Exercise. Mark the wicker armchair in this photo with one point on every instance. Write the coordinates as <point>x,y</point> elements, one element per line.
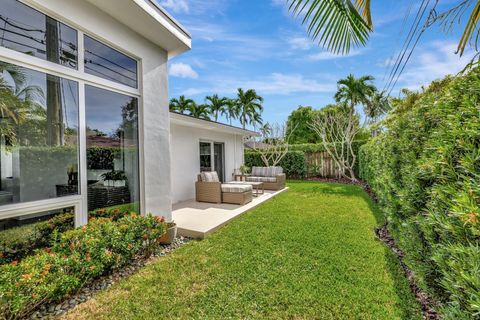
<point>215,192</point>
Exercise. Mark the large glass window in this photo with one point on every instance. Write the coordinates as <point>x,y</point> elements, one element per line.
<point>38,135</point>
<point>112,149</point>
<point>108,63</point>
<point>26,30</point>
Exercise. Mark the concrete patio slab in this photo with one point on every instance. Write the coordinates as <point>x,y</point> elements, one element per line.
<point>199,219</point>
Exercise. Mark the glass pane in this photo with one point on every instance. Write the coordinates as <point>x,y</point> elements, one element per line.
<point>112,149</point>
<point>20,236</point>
<point>26,30</point>
<point>205,156</point>
<point>219,167</point>
<point>38,135</point>
<point>108,63</point>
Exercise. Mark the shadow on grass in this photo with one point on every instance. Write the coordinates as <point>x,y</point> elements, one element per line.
<point>406,302</point>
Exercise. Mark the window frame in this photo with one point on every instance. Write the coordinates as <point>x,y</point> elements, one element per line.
<point>79,202</point>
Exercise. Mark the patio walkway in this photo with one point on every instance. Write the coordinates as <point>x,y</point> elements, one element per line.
<point>198,219</point>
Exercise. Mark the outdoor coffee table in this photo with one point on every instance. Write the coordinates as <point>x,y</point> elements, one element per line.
<point>256,186</point>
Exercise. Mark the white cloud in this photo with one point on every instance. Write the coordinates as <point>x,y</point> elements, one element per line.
<point>176,6</point>
<point>300,43</point>
<point>276,83</point>
<point>182,70</point>
<point>433,61</point>
<point>325,55</point>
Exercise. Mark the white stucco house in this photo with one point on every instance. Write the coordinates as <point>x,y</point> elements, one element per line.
<point>86,123</point>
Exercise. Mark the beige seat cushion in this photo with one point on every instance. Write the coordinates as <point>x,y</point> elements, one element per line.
<point>236,188</point>
<point>261,179</point>
<point>209,176</point>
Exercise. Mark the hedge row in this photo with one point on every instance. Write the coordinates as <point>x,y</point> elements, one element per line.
<point>16,243</point>
<point>293,163</point>
<point>75,257</point>
<point>425,171</point>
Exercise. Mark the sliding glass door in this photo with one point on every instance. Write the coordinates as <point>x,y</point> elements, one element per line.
<point>212,158</point>
<point>218,160</point>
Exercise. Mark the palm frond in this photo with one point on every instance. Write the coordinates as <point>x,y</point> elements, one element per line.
<point>363,7</point>
<point>470,29</point>
<point>335,24</point>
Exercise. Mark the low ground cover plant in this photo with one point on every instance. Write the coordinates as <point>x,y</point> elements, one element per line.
<point>76,257</point>
<point>16,243</point>
<point>425,171</point>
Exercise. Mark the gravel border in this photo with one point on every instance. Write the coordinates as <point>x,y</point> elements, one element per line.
<point>53,310</point>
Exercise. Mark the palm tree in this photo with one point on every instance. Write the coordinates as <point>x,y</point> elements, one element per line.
<point>201,111</point>
<point>266,129</point>
<point>231,111</point>
<point>216,105</point>
<point>250,107</point>
<point>339,25</point>
<point>181,105</point>
<point>354,91</point>
<point>378,105</point>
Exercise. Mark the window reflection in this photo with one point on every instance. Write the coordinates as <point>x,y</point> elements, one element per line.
<point>112,149</point>
<point>28,31</point>
<point>108,63</point>
<point>38,135</point>
<point>205,156</point>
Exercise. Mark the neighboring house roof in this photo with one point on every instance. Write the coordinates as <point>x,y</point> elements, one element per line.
<point>189,121</point>
<point>151,21</point>
<point>255,145</point>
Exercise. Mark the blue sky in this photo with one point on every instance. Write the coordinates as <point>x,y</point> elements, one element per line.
<point>258,44</point>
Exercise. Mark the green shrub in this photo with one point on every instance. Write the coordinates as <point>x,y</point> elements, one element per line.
<point>293,163</point>
<point>425,170</point>
<point>76,257</point>
<point>19,242</point>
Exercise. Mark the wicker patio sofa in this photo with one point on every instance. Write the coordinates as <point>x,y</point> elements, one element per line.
<point>209,189</point>
<point>273,178</point>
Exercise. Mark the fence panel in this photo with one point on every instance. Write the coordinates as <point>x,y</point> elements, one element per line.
<point>320,164</point>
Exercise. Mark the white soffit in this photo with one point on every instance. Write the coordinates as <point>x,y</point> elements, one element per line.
<point>151,21</point>
<point>189,121</point>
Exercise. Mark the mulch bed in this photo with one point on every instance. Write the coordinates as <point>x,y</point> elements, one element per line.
<point>383,234</point>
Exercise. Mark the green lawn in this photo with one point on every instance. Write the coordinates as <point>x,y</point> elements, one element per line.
<point>310,253</point>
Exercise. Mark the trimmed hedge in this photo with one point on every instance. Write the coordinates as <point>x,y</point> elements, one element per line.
<point>293,163</point>
<point>425,170</point>
<point>76,257</point>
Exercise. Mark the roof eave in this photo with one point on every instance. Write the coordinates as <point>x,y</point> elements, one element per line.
<point>189,121</point>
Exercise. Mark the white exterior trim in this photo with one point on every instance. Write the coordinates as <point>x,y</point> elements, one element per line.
<point>160,38</point>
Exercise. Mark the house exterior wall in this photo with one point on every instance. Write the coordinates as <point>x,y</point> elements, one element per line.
<point>154,126</point>
<point>185,151</point>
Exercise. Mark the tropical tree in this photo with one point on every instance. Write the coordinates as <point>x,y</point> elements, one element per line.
<point>231,110</point>
<point>250,107</point>
<point>216,105</point>
<point>338,127</point>
<point>201,111</point>
<point>377,106</point>
<point>266,129</point>
<point>354,91</point>
<point>18,101</point>
<point>300,119</point>
<point>339,25</point>
<point>181,105</point>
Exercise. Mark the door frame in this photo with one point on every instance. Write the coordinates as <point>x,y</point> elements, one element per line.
<point>212,154</point>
